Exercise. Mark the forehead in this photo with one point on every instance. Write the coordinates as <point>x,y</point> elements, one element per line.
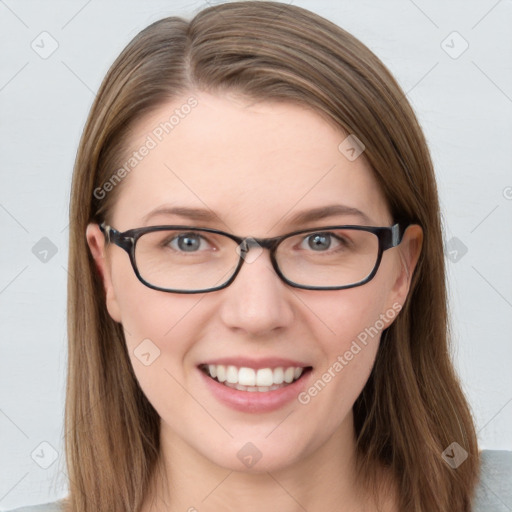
<point>252,164</point>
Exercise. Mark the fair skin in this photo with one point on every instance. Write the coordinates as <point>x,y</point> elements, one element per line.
<point>255,165</point>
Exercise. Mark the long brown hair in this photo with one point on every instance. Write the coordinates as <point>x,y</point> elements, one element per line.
<point>412,407</point>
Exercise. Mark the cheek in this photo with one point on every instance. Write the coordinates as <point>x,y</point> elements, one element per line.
<point>349,315</point>
<point>158,326</point>
<point>349,331</point>
<point>159,330</point>
<point>146,313</point>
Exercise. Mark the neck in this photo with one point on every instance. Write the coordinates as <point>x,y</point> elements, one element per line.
<point>185,480</point>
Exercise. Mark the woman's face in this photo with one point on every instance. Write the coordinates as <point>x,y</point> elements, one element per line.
<point>252,168</point>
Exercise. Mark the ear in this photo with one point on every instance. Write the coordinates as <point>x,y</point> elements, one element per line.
<point>409,252</point>
<point>96,242</point>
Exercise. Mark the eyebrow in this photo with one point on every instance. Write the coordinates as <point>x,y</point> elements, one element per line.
<point>323,212</point>
<point>303,217</point>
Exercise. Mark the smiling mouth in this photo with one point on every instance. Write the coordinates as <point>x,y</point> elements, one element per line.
<point>254,380</point>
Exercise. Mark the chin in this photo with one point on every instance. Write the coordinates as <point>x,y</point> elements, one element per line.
<point>257,456</point>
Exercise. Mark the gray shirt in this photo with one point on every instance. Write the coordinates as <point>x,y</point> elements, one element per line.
<point>493,494</point>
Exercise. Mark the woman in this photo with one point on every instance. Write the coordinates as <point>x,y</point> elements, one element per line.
<point>257,304</point>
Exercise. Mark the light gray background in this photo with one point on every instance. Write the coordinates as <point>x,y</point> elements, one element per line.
<point>464,103</point>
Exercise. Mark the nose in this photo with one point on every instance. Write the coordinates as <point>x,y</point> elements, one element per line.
<point>257,301</point>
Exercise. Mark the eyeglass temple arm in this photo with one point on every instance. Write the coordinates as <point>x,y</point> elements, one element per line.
<point>397,233</point>
<point>105,229</point>
<point>114,237</point>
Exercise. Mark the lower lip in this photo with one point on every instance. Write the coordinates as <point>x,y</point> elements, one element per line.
<point>256,401</point>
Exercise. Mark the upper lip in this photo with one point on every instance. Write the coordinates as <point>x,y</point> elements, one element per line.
<point>265,362</point>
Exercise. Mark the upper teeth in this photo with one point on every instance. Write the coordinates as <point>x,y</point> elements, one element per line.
<point>250,377</point>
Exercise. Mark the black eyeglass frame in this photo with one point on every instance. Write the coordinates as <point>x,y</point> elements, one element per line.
<point>388,237</point>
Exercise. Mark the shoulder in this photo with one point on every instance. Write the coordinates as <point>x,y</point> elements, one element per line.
<point>494,491</point>
<point>55,506</point>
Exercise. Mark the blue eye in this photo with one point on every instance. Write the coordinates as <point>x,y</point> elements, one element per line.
<point>186,242</point>
<point>321,242</point>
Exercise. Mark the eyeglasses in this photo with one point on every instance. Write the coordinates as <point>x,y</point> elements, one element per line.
<point>181,259</point>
